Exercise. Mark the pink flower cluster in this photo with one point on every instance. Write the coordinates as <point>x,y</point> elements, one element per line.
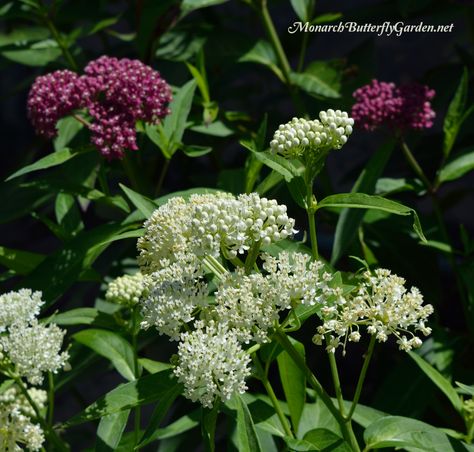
<point>116,93</point>
<point>402,108</point>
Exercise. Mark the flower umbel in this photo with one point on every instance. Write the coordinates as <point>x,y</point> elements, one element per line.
<point>126,290</point>
<point>211,363</point>
<point>384,306</point>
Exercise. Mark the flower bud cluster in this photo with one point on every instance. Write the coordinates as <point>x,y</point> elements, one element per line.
<point>299,136</point>
<point>32,348</point>
<point>126,290</point>
<point>404,107</point>
<point>17,429</point>
<point>382,305</point>
<point>116,93</point>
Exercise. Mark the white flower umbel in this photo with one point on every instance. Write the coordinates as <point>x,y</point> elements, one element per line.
<point>211,364</point>
<point>299,136</point>
<point>181,231</point>
<point>297,279</point>
<point>172,294</point>
<point>17,429</point>
<point>126,290</point>
<point>384,306</point>
<point>34,349</point>
<point>21,306</point>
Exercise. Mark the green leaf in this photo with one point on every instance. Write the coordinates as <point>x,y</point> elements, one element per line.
<point>195,150</point>
<point>153,366</point>
<point>22,36</point>
<point>402,432</point>
<point>246,434</point>
<point>457,167</point>
<point>303,9</point>
<point>319,439</point>
<point>175,123</point>
<point>363,201</point>
<point>68,128</point>
<point>153,431</point>
<point>454,116</point>
<point>110,431</point>
<point>262,53</point>
<point>111,346</point>
<point>293,380</point>
<point>439,380</point>
<point>273,179</point>
<point>54,159</point>
<point>208,426</point>
<point>145,205</point>
<point>148,389</point>
<point>326,18</point>
<point>38,54</point>
<point>21,262</point>
<point>319,79</point>
<point>216,128</point>
<point>349,219</point>
<point>281,165</point>
<point>466,389</point>
<point>83,316</point>
<point>188,6</point>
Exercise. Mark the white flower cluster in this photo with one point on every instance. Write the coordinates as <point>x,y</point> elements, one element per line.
<point>32,348</point>
<point>384,306</point>
<point>21,306</point>
<point>294,138</point>
<point>126,290</point>
<point>17,429</point>
<point>173,294</point>
<point>179,231</point>
<point>211,362</point>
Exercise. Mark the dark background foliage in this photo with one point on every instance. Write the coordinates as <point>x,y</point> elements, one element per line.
<point>245,92</point>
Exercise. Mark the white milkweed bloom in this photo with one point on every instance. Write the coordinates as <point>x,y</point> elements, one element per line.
<point>126,290</point>
<point>384,306</point>
<point>211,363</point>
<point>330,131</point>
<point>34,349</point>
<point>21,306</point>
<point>172,294</point>
<point>17,429</point>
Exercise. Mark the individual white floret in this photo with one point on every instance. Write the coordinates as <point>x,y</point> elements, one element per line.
<point>20,306</point>
<point>126,290</point>
<point>34,349</point>
<point>211,364</point>
<point>172,294</point>
<point>17,429</point>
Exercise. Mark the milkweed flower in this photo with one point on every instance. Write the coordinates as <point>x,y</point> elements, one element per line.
<point>126,290</point>
<point>211,363</point>
<point>116,93</point>
<point>17,428</point>
<point>51,97</point>
<point>383,305</point>
<point>303,138</point>
<point>20,306</point>
<point>405,107</point>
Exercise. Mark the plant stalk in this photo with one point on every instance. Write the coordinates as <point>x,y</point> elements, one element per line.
<point>311,219</point>
<point>360,382</point>
<point>336,382</point>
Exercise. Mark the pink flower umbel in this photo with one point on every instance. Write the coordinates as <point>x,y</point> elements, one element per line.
<point>116,93</point>
<point>402,108</point>
<point>52,97</point>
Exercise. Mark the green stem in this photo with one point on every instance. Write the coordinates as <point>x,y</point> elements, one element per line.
<point>214,266</point>
<point>310,202</point>
<point>50,399</point>
<point>129,168</point>
<point>336,382</point>
<point>415,165</point>
<point>44,425</point>
<point>363,372</point>
<point>136,365</point>
<point>344,424</point>
<point>59,40</point>
<point>271,393</point>
<point>161,179</point>
<point>252,257</point>
<point>470,433</point>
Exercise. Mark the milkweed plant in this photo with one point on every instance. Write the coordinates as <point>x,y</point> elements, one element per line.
<point>258,312</point>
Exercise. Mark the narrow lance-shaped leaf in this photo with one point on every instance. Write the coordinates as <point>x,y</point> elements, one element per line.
<point>246,434</point>
<point>111,346</point>
<point>145,205</point>
<point>439,380</point>
<point>457,167</point>
<point>363,201</point>
<point>110,431</point>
